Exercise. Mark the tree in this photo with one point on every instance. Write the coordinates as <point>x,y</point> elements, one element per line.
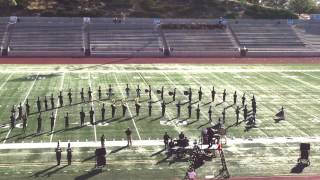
<point>302,6</point>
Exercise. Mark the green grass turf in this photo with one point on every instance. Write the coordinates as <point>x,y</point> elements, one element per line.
<point>296,87</point>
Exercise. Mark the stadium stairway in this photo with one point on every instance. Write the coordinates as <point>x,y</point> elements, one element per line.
<point>46,37</point>
<point>3,29</point>
<point>309,34</point>
<point>269,38</point>
<point>127,39</point>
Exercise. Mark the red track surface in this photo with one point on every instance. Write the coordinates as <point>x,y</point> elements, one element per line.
<point>96,60</point>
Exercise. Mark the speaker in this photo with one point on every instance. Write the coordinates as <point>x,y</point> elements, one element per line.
<point>304,147</point>
<point>100,154</point>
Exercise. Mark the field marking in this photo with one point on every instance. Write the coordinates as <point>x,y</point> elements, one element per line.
<point>153,142</point>
<point>303,82</point>
<point>159,104</point>
<point>4,141</point>
<point>5,82</point>
<point>191,70</point>
<point>123,96</point>
<point>92,105</point>
<point>56,112</point>
<point>289,88</point>
<point>297,107</point>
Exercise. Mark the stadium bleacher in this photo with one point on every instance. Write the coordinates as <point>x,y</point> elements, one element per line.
<point>43,37</point>
<point>141,37</point>
<point>210,42</point>
<point>124,39</point>
<point>268,36</point>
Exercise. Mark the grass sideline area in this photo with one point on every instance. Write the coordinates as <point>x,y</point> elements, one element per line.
<point>296,87</point>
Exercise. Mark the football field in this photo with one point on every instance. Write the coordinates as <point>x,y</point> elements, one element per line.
<point>270,148</point>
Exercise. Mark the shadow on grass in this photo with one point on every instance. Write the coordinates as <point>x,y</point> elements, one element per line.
<point>50,173</point>
<point>88,175</point>
<point>117,150</point>
<point>156,153</point>
<point>38,174</point>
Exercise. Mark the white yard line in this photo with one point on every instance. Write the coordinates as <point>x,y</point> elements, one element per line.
<point>191,70</point>
<point>22,103</point>
<point>92,105</point>
<point>56,112</point>
<point>230,141</point>
<point>123,96</point>
<point>5,82</point>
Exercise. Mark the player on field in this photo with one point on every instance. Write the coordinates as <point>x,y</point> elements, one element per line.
<point>200,94</point>
<point>224,94</point>
<point>198,112</point>
<point>138,90</point>
<point>149,108</point>
<point>90,94</point>
<point>45,103</point>
<point>149,91</point>
<point>60,99</point>
<point>39,124</point>
<point>70,96</point>
<point>166,138</point>
<point>91,114</point>
<point>24,123</point>
<point>174,94</point>
<point>138,105</point>
<point>58,151</point>
<point>124,107</point>
<point>213,94</point>
<point>69,154</point>
<point>82,116</point>
<point>178,105</point>
<point>20,111</point>
<point>66,121</point>
<point>254,105</point>
<point>12,121</point>
<point>39,104</point>
<point>27,107</point>
<point>52,121</point>
<point>102,140</point>
<point>52,101</point>
<point>190,95</point>
<point>162,91</point>
<point>103,112</point>
<point>210,114</point>
<point>113,108</point>
<point>224,115</point>
<point>235,97</point>
<point>163,108</point>
<point>243,99</point>
<point>245,113</point>
<point>129,138</point>
<point>82,95</point>
<point>13,110</point>
<point>109,94</point>
<point>189,109</point>
<point>99,92</point>
<point>127,91</point>
<point>237,114</point>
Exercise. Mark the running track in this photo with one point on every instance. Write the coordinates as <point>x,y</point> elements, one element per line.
<point>187,60</point>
